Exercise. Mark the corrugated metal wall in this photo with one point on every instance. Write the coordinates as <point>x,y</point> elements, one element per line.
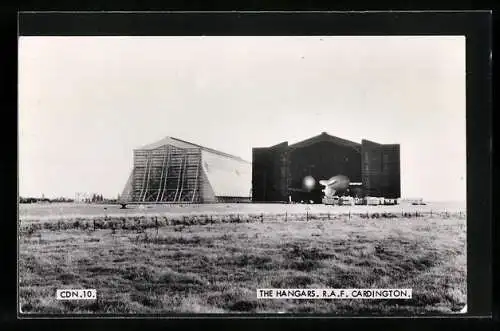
<point>381,169</point>
<point>228,176</point>
<point>270,173</point>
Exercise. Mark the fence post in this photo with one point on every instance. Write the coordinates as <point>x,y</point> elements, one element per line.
<point>349,214</point>
<point>286,216</point>
<point>262,217</point>
<point>328,215</point>
<point>307,215</point>
<point>94,223</point>
<point>156,224</point>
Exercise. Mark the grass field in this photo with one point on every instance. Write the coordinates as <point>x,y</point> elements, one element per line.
<point>212,259</point>
<point>37,212</point>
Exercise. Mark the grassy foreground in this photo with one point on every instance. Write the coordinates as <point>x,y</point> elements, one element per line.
<point>217,267</point>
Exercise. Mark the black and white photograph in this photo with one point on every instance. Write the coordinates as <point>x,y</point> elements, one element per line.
<point>242,174</point>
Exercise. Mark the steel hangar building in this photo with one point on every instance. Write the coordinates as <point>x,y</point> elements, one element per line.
<point>278,171</point>
<point>176,171</point>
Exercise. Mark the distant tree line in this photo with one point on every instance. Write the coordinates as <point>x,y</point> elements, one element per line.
<point>94,198</point>
<point>35,200</point>
<point>97,198</point>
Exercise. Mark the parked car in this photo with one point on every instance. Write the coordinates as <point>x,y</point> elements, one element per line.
<point>372,201</point>
<point>359,201</point>
<point>390,201</point>
<point>347,201</point>
<point>331,201</point>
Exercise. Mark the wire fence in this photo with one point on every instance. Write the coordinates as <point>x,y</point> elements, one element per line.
<point>140,223</point>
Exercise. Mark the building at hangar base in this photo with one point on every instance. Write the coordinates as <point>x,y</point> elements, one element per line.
<point>278,171</point>
<point>176,171</point>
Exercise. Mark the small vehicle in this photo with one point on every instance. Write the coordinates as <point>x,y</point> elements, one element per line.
<point>417,202</point>
<point>372,201</point>
<point>359,201</point>
<point>347,201</point>
<point>331,200</point>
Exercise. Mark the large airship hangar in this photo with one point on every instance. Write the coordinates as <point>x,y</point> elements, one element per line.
<point>278,171</point>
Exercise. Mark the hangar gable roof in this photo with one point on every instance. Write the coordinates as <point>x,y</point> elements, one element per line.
<point>179,143</point>
<point>328,138</point>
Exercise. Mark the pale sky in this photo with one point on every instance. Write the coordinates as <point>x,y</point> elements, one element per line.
<point>86,102</point>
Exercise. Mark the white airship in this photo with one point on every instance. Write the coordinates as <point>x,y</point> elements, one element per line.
<point>334,184</point>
